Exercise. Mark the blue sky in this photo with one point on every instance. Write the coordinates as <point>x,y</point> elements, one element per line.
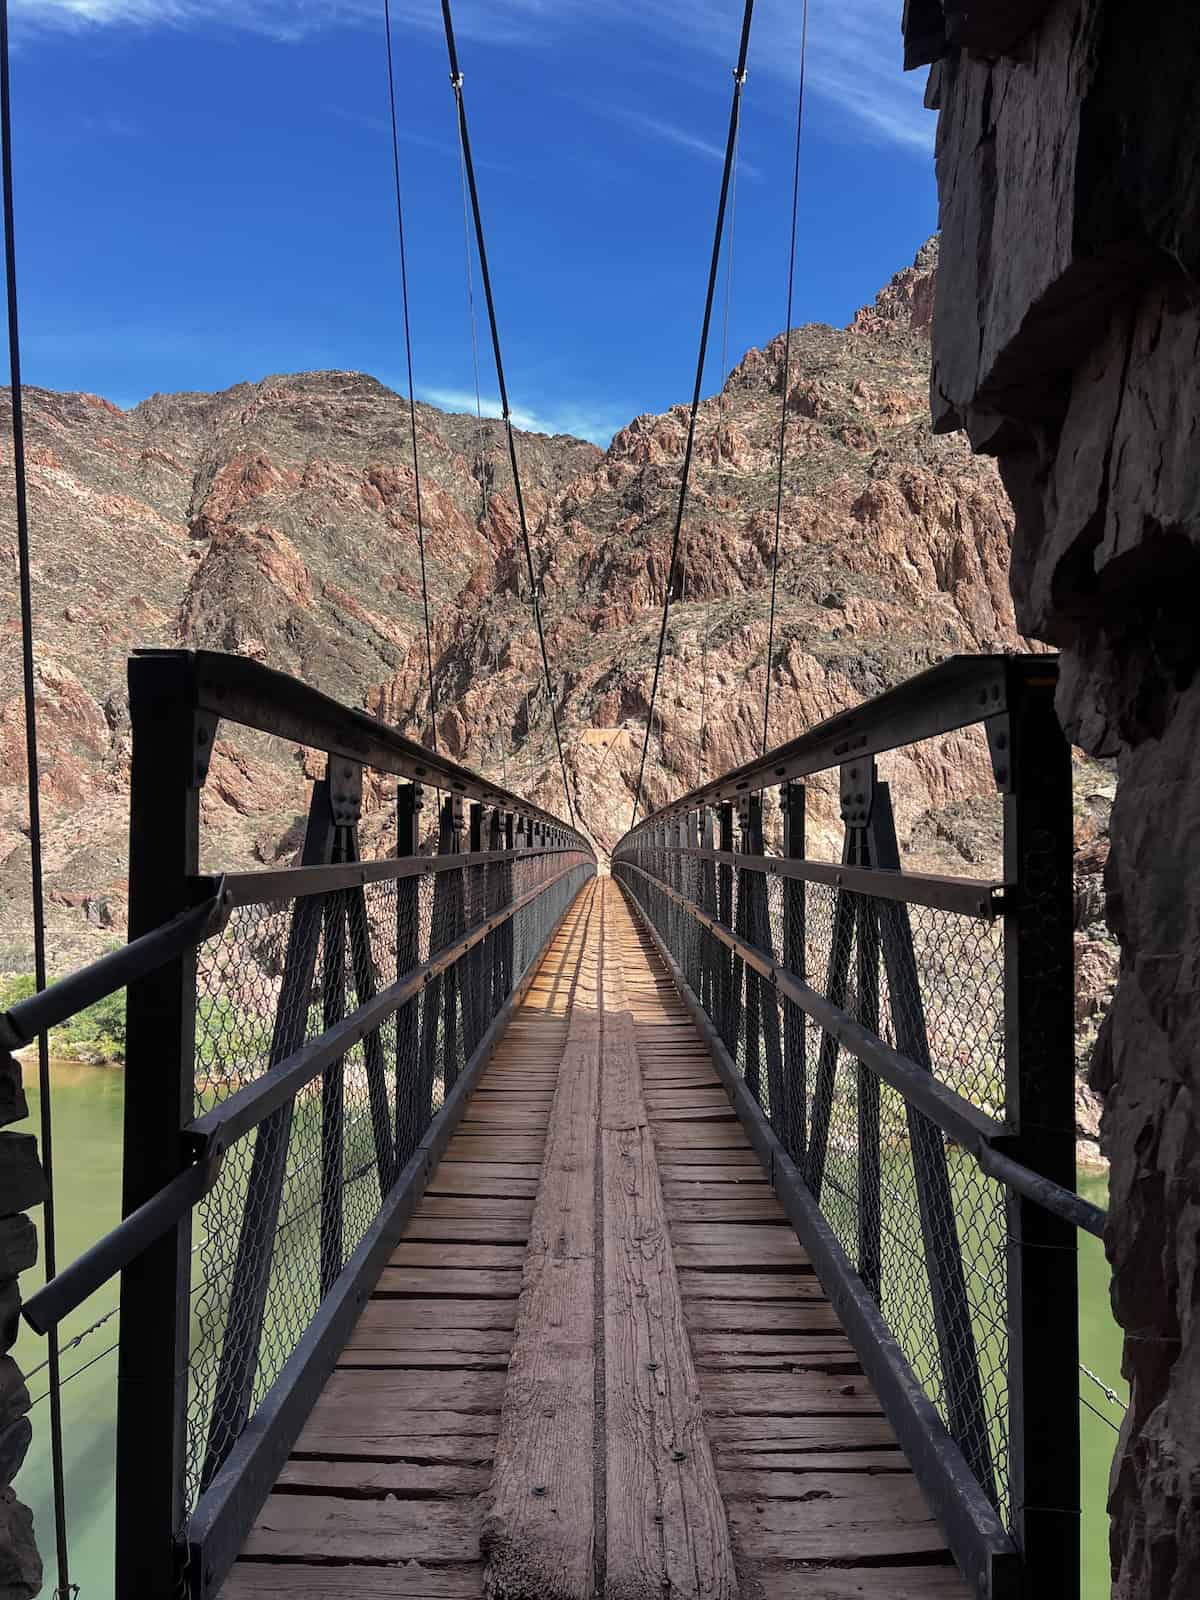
<point>204,190</point>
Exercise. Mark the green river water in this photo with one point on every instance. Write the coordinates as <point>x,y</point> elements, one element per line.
<point>87,1141</point>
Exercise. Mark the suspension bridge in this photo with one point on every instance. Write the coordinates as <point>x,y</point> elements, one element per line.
<point>502,1222</point>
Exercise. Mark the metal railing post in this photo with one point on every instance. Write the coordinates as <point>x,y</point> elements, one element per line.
<point>410,1118</point>
<point>793,1133</point>
<point>472,984</point>
<point>725,958</point>
<point>171,748</point>
<point>1032,763</point>
<point>745,979</point>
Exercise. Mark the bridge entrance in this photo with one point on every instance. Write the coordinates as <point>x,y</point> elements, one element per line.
<point>493,1227</point>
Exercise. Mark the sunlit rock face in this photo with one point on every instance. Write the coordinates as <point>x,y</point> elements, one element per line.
<point>1065,341</point>
<point>278,520</point>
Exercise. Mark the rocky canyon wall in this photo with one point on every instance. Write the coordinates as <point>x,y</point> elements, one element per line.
<point>1066,333</point>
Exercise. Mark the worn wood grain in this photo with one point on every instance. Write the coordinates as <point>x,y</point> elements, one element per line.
<point>270,1580</point>
<point>373,1479</point>
<point>445,1207</point>
<point>467,1230</point>
<point>750,1285</point>
<point>435,1312</point>
<point>478,1283</point>
<point>731,1244</point>
<point>793,1316</point>
<point>666,1526</point>
<point>311,1527</point>
<point>844,1431</point>
<point>538,1538</point>
<point>851,1518</point>
<point>866,1583</point>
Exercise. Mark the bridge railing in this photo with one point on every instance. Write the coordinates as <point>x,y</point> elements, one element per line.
<point>300,1045</point>
<point>900,1046</point>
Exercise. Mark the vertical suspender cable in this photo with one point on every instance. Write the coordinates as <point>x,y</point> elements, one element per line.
<point>787,370</point>
<point>35,810</point>
<point>720,426</point>
<point>739,81</point>
<point>481,442</point>
<point>412,400</point>
<point>456,79</point>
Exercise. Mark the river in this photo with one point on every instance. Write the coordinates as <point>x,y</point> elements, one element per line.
<point>87,1139</point>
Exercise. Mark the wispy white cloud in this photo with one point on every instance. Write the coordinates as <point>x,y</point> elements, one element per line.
<point>854,45</point>
<point>596,423</point>
<point>666,132</point>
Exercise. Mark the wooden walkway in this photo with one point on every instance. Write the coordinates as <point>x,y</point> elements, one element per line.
<point>599,1363</point>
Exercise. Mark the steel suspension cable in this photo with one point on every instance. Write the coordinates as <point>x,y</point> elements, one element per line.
<point>456,80</point>
<point>481,442</point>
<point>412,400</point>
<point>739,81</point>
<point>25,582</point>
<point>720,427</point>
<point>787,370</point>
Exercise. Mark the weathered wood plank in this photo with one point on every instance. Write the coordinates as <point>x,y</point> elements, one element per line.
<point>796,1347</point>
<point>847,1431</point>
<point>274,1580</point>
<point>495,1147</point>
<point>449,1343</point>
<point>311,1527</point>
<point>666,1525</point>
<point>467,1230</point>
<point>373,1479</point>
<point>790,1316</point>
<point>538,1532</point>
<point>732,1461</point>
<point>505,1178</point>
<point>435,1312</point>
<point>465,1206</point>
<point>408,1391</point>
<point>730,1244</point>
<point>750,1285</point>
<point>853,1518</point>
<point>472,1282</point>
<point>449,1254</point>
<point>787,1394</point>
<point>672,1136</point>
<point>866,1583</point>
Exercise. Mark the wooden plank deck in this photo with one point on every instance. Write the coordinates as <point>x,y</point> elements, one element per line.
<point>684,1415</point>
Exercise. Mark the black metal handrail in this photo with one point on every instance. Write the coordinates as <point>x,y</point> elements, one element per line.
<point>872,1022</point>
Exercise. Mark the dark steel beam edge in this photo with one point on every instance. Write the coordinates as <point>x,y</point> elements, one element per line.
<point>1051,1196</point>
<point>985,1553</point>
<point>954,694</point>
<point>225,1513</point>
<point>256,696</point>
<point>967,897</point>
<point>72,1286</point>
<point>60,1001</point>
<point>958,1119</point>
<point>290,883</point>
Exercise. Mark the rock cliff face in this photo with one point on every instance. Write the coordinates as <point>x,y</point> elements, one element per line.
<point>278,519</point>
<point>1065,341</point>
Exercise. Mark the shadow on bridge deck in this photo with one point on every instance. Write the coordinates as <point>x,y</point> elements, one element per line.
<point>599,1362</point>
